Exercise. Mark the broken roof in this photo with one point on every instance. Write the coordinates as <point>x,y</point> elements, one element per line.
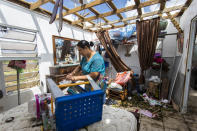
<point>109,14</point>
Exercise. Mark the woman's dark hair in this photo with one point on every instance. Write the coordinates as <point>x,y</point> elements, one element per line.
<point>84,43</point>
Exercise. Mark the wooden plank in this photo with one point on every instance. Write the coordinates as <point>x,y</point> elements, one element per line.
<point>111,4</point>
<point>73,84</point>
<point>94,11</point>
<point>162,6</point>
<point>23,85</point>
<point>79,8</point>
<point>132,7</point>
<point>165,17</point>
<point>175,23</point>
<point>187,4</point>
<point>38,4</point>
<point>28,66</point>
<point>2,79</point>
<point>9,78</point>
<point>97,14</point>
<point>137,3</point>
<point>135,17</point>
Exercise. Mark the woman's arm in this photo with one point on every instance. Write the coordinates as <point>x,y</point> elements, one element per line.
<point>94,75</point>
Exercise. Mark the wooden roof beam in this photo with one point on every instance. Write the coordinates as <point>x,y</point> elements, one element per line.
<point>187,4</point>
<point>85,6</point>
<point>162,6</point>
<point>111,4</point>
<point>120,26</point>
<point>132,7</point>
<point>97,13</point>
<point>38,4</point>
<point>175,23</point>
<point>139,10</point>
<point>144,15</point>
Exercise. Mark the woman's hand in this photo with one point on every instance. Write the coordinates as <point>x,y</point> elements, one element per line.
<point>70,77</point>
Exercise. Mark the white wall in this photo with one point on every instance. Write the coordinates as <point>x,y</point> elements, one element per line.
<point>16,15</point>
<point>185,22</point>
<point>169,43</point>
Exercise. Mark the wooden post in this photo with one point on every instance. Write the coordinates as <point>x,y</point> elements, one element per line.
<point>52,104</point>
<point>2,80</point>
<point>18,86</point>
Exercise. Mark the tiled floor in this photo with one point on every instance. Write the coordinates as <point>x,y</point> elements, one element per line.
<point>174,121</point>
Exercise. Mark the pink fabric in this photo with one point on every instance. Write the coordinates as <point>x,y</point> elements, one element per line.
<point>158,60</point>
<point>37,106</point>
<point>123,77</point>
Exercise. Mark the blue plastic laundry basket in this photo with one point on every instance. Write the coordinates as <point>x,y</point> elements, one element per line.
<point>77,111</point>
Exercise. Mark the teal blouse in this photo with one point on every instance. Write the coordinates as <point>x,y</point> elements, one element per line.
<point>95,64</point>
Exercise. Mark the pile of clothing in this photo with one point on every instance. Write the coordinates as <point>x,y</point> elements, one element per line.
<point>158,60</point>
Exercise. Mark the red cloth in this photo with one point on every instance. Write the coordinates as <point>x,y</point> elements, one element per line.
<point>17,64</point>
<point>158,60</point>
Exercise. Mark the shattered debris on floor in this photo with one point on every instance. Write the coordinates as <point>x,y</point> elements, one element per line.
<point>157,118</point>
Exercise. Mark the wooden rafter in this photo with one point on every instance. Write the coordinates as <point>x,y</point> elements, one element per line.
<point>81,17</point>
<point>138,6</point>
<point>120,26</point>
<point>38,4</point>
<point>175,23</point>
<point>111,4</point>
<point>162,6</point>
<point>77,14</point>
<point>142,16</point>
<point>187,4</point>
<point>85,6</point>
<point>132,7</point>
<point>97,14</point>
<point>139,10</point>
